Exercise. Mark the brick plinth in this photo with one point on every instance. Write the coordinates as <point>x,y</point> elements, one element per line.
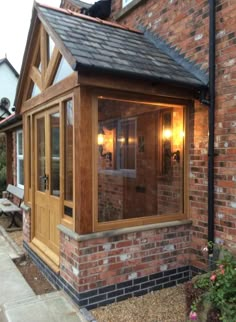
<point>100,262</point>
<point>115,292</point>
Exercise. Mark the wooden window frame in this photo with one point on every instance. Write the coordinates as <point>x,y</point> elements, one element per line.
<point>19,157</point>
<point>66,220</point>
<point>28,150</point>
<point>104,226</point>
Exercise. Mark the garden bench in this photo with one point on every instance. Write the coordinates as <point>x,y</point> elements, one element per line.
<point>9,208</point>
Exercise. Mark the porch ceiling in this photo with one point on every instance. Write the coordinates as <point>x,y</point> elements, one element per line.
<point>101,45</point>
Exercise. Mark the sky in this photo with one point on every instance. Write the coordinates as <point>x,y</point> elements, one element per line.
<point>15,16</point>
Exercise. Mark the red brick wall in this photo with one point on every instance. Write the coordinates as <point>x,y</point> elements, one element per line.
<point>104,261</point>
<point>27,222</point>
<point>198,162</point>
<point>184,26</point>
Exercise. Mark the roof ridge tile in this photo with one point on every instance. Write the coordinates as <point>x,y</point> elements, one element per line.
<point>82,16</point>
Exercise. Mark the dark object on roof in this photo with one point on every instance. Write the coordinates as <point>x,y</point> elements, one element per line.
<point>100,9</point>
<point>5,60</point>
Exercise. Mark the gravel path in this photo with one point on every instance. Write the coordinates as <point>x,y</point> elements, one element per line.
<point>167,305</point>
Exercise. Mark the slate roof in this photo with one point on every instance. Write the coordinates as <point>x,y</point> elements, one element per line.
<point>101,45</point>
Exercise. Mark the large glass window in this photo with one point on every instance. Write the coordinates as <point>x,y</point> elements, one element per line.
<point>140,160</point>
<point>20,159</point>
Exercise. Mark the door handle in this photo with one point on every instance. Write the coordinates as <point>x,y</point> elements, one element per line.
<point>45,179</point>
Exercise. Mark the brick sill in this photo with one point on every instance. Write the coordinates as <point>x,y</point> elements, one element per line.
<point>120,231</point>
<point>124,11</point>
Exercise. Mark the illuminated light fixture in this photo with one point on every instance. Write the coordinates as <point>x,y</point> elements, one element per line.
<point>167,134</point>
<point>101,135</point>
<point>101,140</point>
<point>121,139</point>
<point>182,134</point>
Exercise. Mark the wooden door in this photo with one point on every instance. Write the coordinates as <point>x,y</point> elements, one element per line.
<point>47,183</point>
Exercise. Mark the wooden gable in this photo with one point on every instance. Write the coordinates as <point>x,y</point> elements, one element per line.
<point>42,65</point>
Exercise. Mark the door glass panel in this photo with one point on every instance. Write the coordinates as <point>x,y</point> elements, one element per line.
<point>55,154</point>
<point>41,154</point>
<point>68,148</point>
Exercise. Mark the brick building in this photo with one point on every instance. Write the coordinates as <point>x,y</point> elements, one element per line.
<point>120,192</point>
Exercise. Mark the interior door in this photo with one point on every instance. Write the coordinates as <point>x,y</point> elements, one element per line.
<point>47,183</point>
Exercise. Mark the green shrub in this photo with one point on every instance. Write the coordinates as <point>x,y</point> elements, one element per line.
<point>218,289</point>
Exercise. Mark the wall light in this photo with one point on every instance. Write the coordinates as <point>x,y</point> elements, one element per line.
<point>167,134</point>
<point>167,138</point>
<point>101,141</point>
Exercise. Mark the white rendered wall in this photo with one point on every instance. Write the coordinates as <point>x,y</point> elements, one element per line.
<point>8,83</point>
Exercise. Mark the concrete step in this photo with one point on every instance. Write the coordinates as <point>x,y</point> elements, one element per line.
<point>52,307</point>
<point>8,246</point>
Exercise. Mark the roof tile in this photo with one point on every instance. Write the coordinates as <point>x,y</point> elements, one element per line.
<point>98,44</point>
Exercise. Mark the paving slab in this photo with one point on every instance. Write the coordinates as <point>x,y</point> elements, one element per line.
<point>13,284</point>
<point>6,248</point>
<point>18,302</point>
<point>53,307</point>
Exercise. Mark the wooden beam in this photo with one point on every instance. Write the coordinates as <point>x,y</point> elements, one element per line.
<point>52,67</point>
<point>32,39</point>
<point>126,84</point>
<point>36,77</point>
<point>51,92</point>
<point>32,61</point>
<point>43,53</point>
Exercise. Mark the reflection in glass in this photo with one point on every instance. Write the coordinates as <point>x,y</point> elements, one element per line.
<point>35,90</point>
<point>127,137</point>
<point>68,148</point>
<point>20,158</point>
<point>55,154</point>
<point>145,176</point>
<point>20,142</point>
<point>51,46</point>
<point>64,70</point>
<point>21,172</point>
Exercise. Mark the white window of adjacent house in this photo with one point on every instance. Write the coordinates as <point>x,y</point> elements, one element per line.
<point>20,159</point>
<point>125,2</point>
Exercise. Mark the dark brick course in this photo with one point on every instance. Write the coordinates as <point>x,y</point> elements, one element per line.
<point>117,292</point>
